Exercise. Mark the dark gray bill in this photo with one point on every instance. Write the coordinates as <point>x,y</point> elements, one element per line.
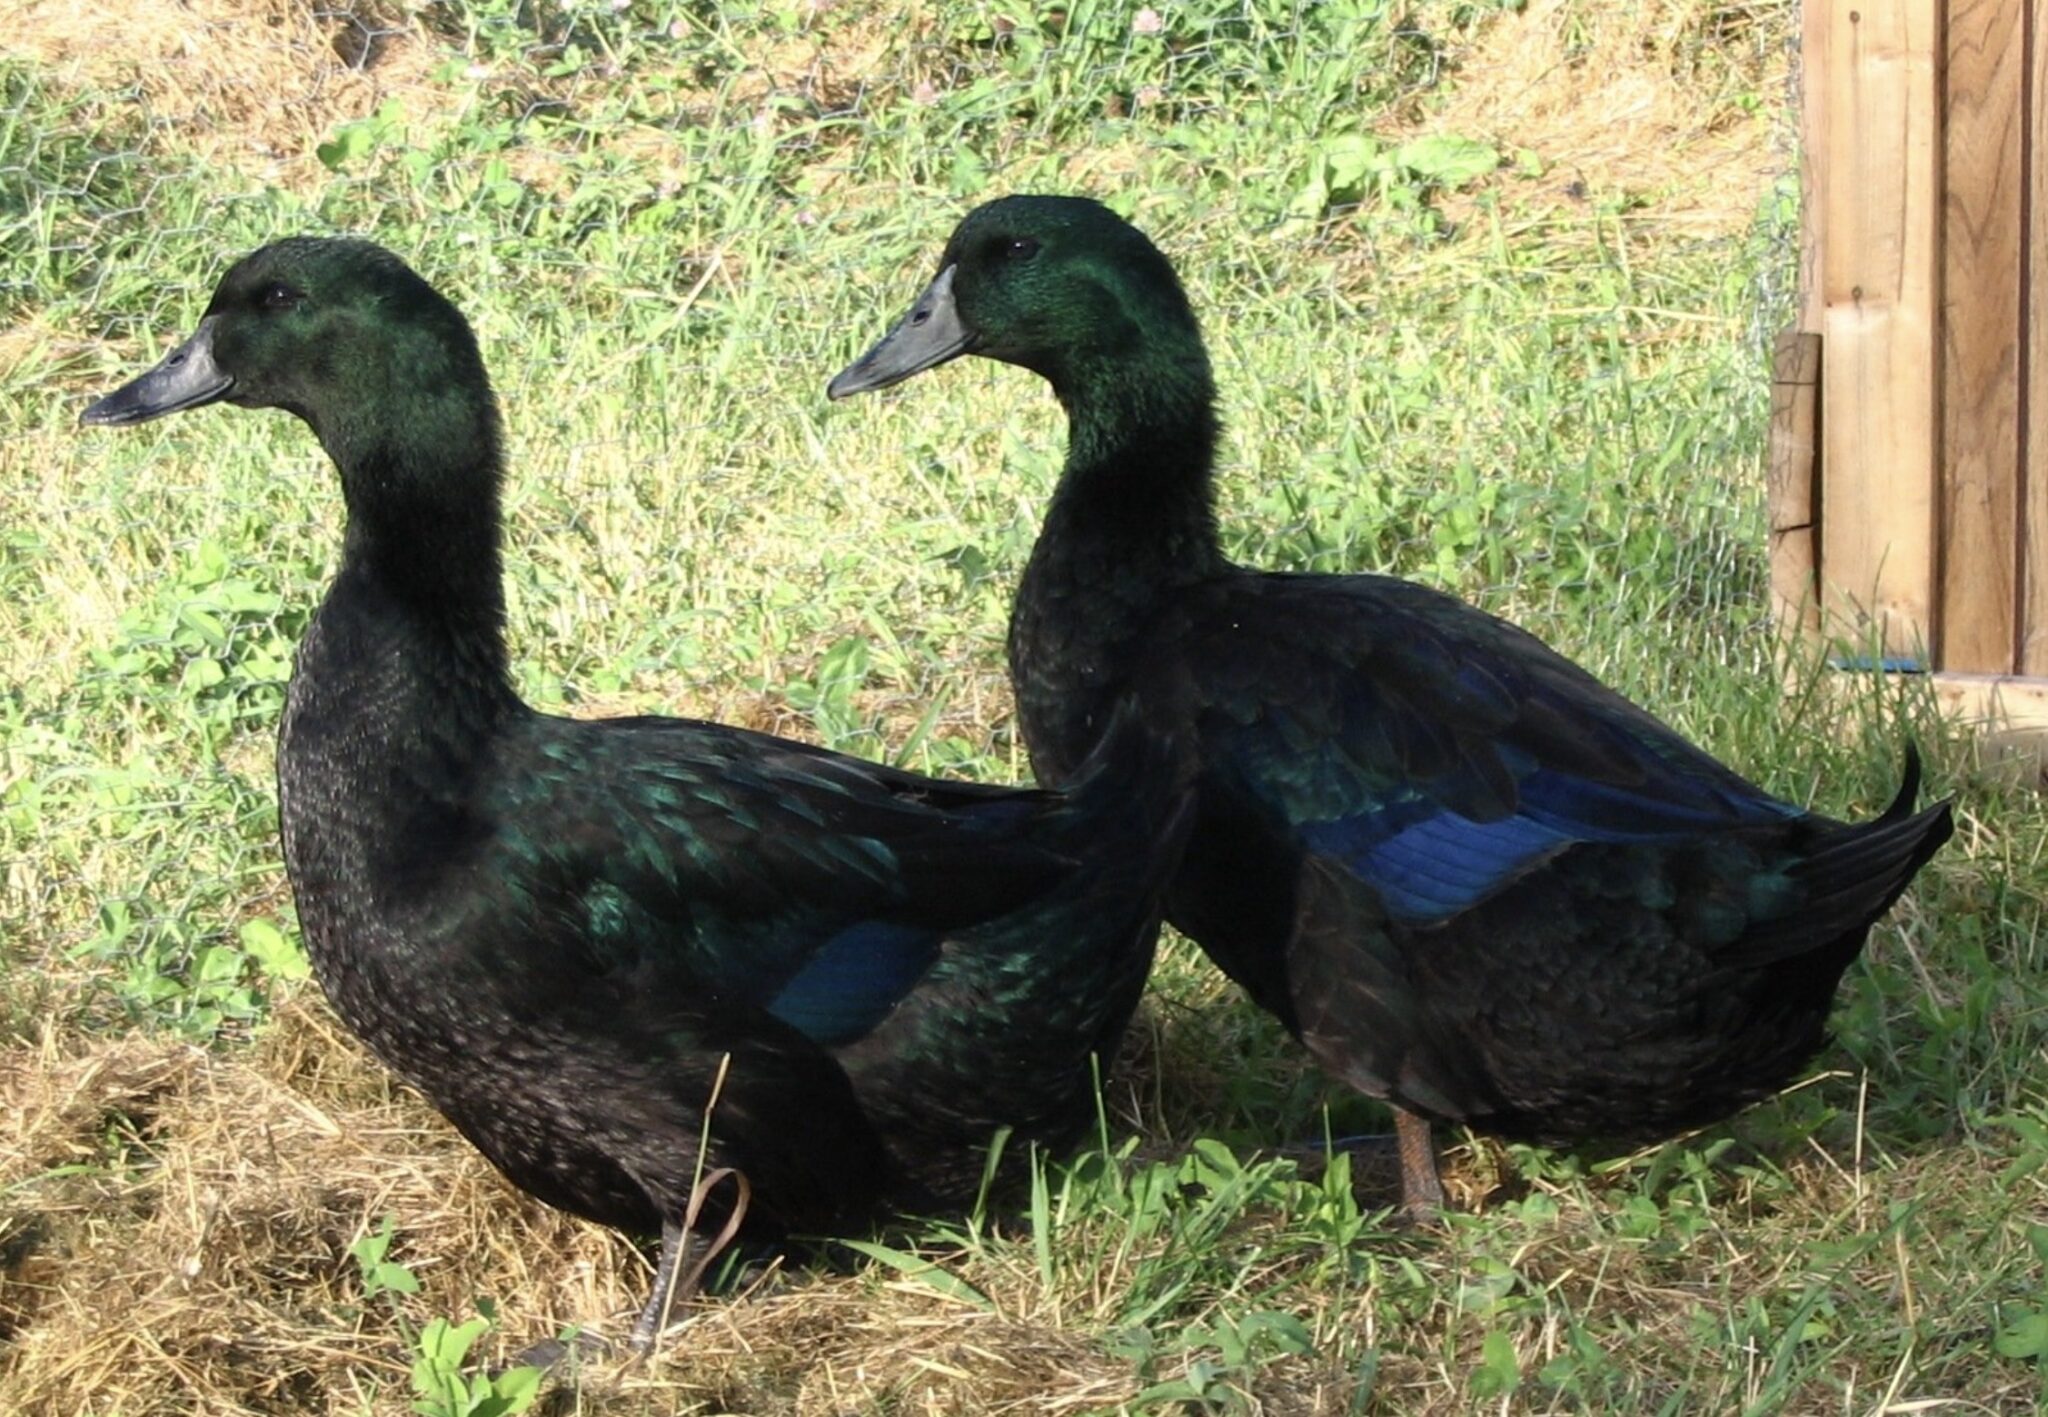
<point>187,377</point>
<point>927,337</point>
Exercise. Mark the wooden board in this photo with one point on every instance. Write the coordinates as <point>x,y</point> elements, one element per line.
<point>2033,461</point>
<point>1982,255</point>
<point>2008,702</point>
<point>1793,486</point>
<point>1813,149</point>
<point>2007,714</point>
<point>1879,278</point>
<point>1982,204</point>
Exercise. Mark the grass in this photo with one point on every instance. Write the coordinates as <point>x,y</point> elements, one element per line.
<point>1541,384</point>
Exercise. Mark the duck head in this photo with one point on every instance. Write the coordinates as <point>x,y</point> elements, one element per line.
<point>1062,286</point>
<point>340,332</point>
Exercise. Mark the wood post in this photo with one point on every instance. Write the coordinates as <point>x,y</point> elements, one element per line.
<point>1924,284</point>
<point>1981,213</point>
<point>1794,487</point>
<point>1879,283</point>
<point>2033,459</point>
<point>1909,429</point>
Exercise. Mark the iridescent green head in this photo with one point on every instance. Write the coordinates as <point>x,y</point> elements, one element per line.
<point>340,332</point>
<point>1060,285</point>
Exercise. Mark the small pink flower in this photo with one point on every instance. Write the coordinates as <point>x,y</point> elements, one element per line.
<point>925,92</point>
<point>1147,21</point>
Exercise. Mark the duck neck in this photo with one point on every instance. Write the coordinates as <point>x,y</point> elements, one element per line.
<point>421,560</point>
<point>1134,512</point>
<point>1131,524</point>
<point>399,701</point>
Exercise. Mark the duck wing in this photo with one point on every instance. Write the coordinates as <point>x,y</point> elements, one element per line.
<point>1436,752</point>
<point>706,865</point>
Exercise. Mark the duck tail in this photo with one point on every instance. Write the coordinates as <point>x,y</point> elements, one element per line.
<point>1854,875</point>
<point>1872,863</point>
<point>1909,790</point>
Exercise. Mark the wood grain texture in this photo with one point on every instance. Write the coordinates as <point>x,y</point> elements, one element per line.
<point>1982,253</point>
<point>1793,488</point>
<point>1879,282</point>
<point>2033,495</point>
<point>2014,700</point>
<point>2008,716</point>
<point>1813,147</point>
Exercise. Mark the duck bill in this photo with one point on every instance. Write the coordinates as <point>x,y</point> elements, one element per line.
<point>927,337</point>
<point>185,378</point>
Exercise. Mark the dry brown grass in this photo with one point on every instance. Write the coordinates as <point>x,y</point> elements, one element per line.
<point>178,1222</point>
<point>1653,103</point>
<point>250,85</point>
<point>176,1239</point>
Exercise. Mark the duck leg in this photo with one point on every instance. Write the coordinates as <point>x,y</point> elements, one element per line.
<point>677,1246</point>
<point>1413,1149</point>
<point>1422,1187</point>
<point>685,1256</point>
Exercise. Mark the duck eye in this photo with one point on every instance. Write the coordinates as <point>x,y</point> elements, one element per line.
<point>1021,249</point>
<point>279,296</point>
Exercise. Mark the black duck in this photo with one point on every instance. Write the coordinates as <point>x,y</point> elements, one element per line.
<point>1473,880</point>
<point>560,931</point>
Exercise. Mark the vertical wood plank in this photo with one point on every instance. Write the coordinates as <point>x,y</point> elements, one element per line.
<point>1984,128</point>
<point>1793,486</point>
<point>1879,277</point>
<point>2034,385</point>
<point>1813,147</point>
